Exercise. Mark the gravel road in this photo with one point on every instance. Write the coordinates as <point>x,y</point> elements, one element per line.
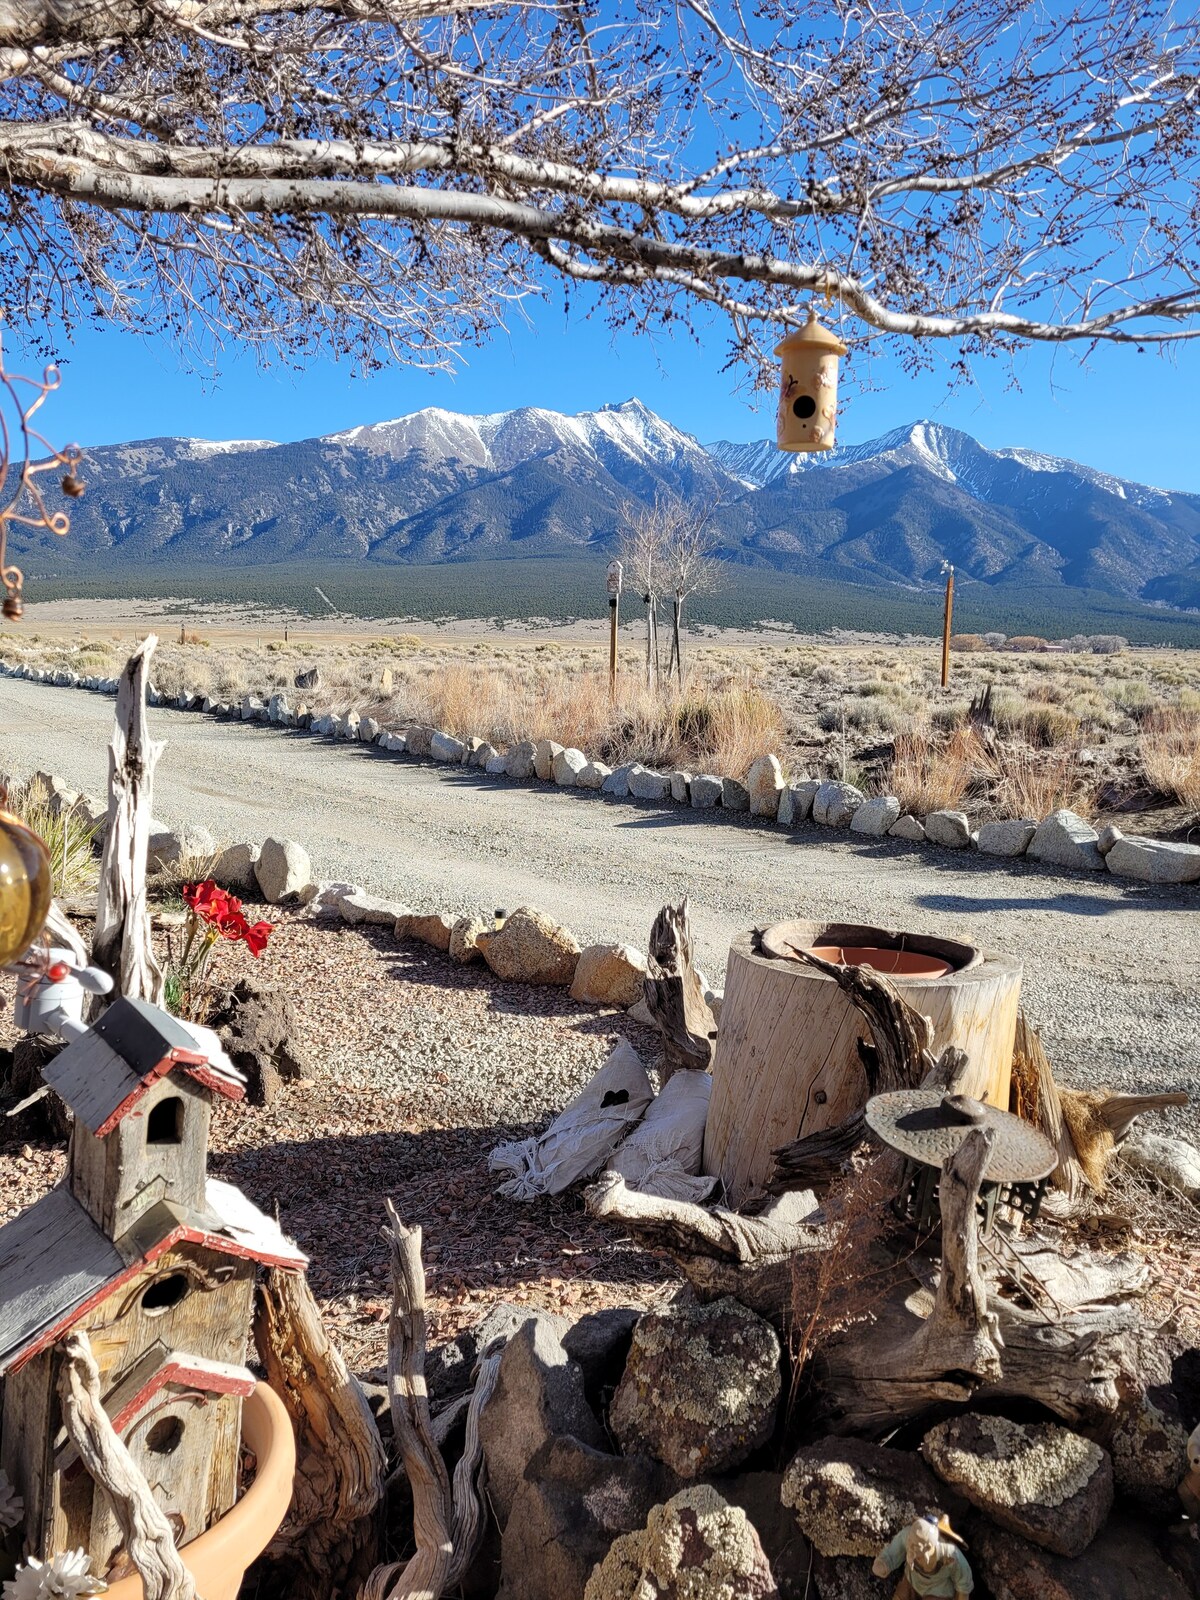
<point>1112,973</point>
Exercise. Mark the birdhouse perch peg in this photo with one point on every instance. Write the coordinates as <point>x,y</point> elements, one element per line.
<point>808,387</point>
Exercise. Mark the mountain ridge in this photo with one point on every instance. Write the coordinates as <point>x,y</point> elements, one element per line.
<point>439,486</point>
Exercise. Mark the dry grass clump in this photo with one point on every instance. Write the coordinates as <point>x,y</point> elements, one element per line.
<point>68,837</point>
<point>1023,782</point>
<point>719,727</point>
<point>931,774</point>
<point>1169,748</point>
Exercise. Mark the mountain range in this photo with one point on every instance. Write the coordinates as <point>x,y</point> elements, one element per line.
<point>439,486</point>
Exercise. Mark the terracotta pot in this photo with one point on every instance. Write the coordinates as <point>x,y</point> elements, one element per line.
<point>903,963</point>
<point>218,1559</point>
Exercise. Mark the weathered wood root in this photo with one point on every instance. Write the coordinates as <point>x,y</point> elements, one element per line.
<point>330,1538</point>
<point>675,995</point>
<point>121,943</point>
<point>448,1520</point>
<point>1075,1359</point>
<point>149,1540</point>
<point>720,1252</point>
<point>898,1056</point>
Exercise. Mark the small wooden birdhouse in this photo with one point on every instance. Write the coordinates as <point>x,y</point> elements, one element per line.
<point>808,381</point>
<point>156,1262</point>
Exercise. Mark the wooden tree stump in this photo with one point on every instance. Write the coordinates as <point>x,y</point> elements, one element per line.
<point>787,1061</point>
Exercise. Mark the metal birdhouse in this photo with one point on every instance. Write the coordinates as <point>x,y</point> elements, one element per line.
<point>808,387</point>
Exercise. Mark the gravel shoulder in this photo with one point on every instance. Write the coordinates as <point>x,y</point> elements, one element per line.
<point>1112,972</point>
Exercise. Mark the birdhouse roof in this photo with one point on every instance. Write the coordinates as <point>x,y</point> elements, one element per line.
<point>105,1072</point>
<point>812,336</point>
<point>56,1263</point>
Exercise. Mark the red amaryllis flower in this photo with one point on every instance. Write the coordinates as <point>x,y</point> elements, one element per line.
<point>255,936</point>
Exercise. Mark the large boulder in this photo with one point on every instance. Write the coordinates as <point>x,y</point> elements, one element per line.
<point>1036,1479</point>
<point>175,846</point>
<point>519,761</point>
<point>701,1387</point>
<point>531,948</point>
<point>592,775</point>
<point>796,802</point>
<point>851,1496</point>
<point>450,1367</point>
<point>282,870</point>
<point>371,910</point>
<point>1173,1162</point>
<point>1148,1449</point>
<point>1121,1563</point>
<point>1009,837</point>
<point>445,747</point>
<point>539,1396</point>
<point>418,739</point>
<point>765,784</point>
<point>647,785</point>
<point>681,786</point>
<point>566,767</point>
<point>950,829</point>
<point>875,816</point>
<point>571,1504</point>
<point>610,975</point>
<point>909,828</point>
<point>234,869</point>
<point>432,929</point>
<point>734,795</point>
<point>1154,860</point>
<point>617,782</point>
<point>835,803</point>
<point>544,753</point>
<point>705,791</point>
<point>464,939</point>
<point>1066,840</point>
<point>695,1547</point>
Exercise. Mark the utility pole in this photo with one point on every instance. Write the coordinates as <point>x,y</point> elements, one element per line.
<point>949,571</point>
<point>614,599</point>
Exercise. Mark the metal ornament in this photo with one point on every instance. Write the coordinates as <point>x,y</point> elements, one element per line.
<point>927,1127</point>
<point>25,887</point>
<point>23,502</point>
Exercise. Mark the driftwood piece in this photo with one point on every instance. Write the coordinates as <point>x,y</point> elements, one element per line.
<point>1075,1358</point>
<point>149,1540</point>
<point>897,1056</point>
<point>469,1519</point>
<point>1039,1102</point>
<point>675,995</point>
<point>720,1252</point>
<point>426,1575</point>
<point>329,1540</point>
<point>121,943</point>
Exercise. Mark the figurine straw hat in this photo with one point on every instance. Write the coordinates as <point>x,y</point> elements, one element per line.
<point>947,1532</point>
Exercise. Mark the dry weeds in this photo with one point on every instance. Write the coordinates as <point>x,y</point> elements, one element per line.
<point>1170,750</point>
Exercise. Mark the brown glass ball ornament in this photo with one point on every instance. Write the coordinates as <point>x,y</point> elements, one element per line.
<point>14,607</point>
<point>24,887</point>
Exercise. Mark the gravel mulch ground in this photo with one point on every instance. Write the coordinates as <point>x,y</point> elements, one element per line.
<point>417,1068</point>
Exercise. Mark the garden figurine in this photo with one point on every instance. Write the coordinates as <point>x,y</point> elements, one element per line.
<point>51,990</point>
<point>931,1554</point>
<point>1189,1488</point>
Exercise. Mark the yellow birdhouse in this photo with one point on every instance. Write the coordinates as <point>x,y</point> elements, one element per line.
<point>808,387</point>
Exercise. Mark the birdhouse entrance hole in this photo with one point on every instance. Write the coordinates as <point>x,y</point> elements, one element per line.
<point>164,1125</point>
<point>164,1293</point>
<point>165,1435</point>
<point>805,406</point>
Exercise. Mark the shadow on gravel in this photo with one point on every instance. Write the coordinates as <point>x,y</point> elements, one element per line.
<point>1072,905</point>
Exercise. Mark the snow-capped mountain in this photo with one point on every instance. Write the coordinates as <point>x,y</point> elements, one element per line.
<point>444,486</point>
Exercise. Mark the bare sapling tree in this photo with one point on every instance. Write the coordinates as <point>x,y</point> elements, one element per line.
<point>388,178</point>
<point>690,541</point>
<point>643,555</point>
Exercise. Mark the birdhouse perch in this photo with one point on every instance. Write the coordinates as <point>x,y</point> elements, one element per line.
<point>808,387</point>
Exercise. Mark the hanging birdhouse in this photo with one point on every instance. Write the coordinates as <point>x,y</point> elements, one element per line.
<point>808,387</point>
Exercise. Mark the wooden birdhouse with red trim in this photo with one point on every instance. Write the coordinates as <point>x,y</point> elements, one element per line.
<point>156,1261</point>
<point>808,382</point>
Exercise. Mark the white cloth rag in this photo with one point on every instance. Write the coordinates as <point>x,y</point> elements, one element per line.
<point>663,1156</point>
<point>584,1134</point>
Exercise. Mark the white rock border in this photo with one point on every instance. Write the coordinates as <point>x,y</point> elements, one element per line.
<point>1061,840</point>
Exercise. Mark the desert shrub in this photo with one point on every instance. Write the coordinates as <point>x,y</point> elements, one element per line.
<point>1024,782</point>
<point>1169,748</point>
<point>929,774</point>
<point>1025,642</point>
<point>994,641</point>
<point>967,643</point>
<point>1045,726</point>
<point>1135,698</point>
<point>947,718</point>
<point>68,837</point>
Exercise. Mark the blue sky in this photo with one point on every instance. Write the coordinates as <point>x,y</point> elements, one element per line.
<point>1131,414</point>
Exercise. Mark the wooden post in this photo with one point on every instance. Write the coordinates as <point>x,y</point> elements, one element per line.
<point>946,626</point>
<point>121,944</point>
<point>613,578</point>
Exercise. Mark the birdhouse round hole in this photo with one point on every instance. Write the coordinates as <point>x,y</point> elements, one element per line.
<point>808,381</point>
<point>164,1436</point>
<point>164,1293</point>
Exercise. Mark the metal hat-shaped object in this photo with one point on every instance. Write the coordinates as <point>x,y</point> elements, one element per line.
<point>928,1125</point>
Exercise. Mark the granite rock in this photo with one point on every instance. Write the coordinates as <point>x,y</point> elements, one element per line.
<point>876,816</point>
<point>1066,840</point>
<point>1009,837</point>
<point>950,829</point>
